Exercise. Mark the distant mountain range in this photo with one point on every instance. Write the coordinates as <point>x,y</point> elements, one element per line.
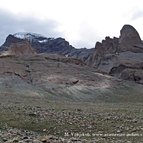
<point>43,44</point>
<point>119,56</point>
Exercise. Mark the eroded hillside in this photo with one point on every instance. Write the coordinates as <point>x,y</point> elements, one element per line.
<point>61,78</point>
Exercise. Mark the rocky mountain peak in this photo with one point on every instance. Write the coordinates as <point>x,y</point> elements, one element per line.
<point>129,39</point>
<point>42,44</point>
<point>129,31</point>
<point>121,57</point>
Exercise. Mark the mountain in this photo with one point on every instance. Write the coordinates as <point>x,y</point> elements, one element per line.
<point>121,57</point>
<point>42,44</point>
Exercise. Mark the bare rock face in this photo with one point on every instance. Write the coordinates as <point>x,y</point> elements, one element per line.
<point>121,57</point>
<point>23,48</point>
<point>107,46</point>
<point>20,49</point>
<point>129,39</point>
<point>132,74</point>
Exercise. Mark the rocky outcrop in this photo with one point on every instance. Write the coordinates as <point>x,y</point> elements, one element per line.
<point>106,47</point>
<point>19,49</point>
<point>121,57</point>
<point>130,40</point>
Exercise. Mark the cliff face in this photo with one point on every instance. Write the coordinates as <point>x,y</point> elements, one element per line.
<point>107,46</point>
<point>20,48</point>
<point>121,57</point>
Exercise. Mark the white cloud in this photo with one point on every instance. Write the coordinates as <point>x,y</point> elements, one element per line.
<point>80,21</point>
<point>10,24</point>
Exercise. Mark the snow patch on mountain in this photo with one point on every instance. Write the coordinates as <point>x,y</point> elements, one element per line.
<point>29,36</point>
<point>43,41</point>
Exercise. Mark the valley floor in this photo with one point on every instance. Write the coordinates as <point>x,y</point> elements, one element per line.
<point>37,120</point>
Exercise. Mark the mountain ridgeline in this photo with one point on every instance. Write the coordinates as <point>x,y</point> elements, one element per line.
<point>121,56</point>
<point>43,44</point>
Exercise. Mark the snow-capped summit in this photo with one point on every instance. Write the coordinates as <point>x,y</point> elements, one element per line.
<point>42,44</point>
<point>25,35</point>
<point>31,37</point>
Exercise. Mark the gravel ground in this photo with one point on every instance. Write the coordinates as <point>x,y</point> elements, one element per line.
<point>13,135</point>
<point>40,121</point>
